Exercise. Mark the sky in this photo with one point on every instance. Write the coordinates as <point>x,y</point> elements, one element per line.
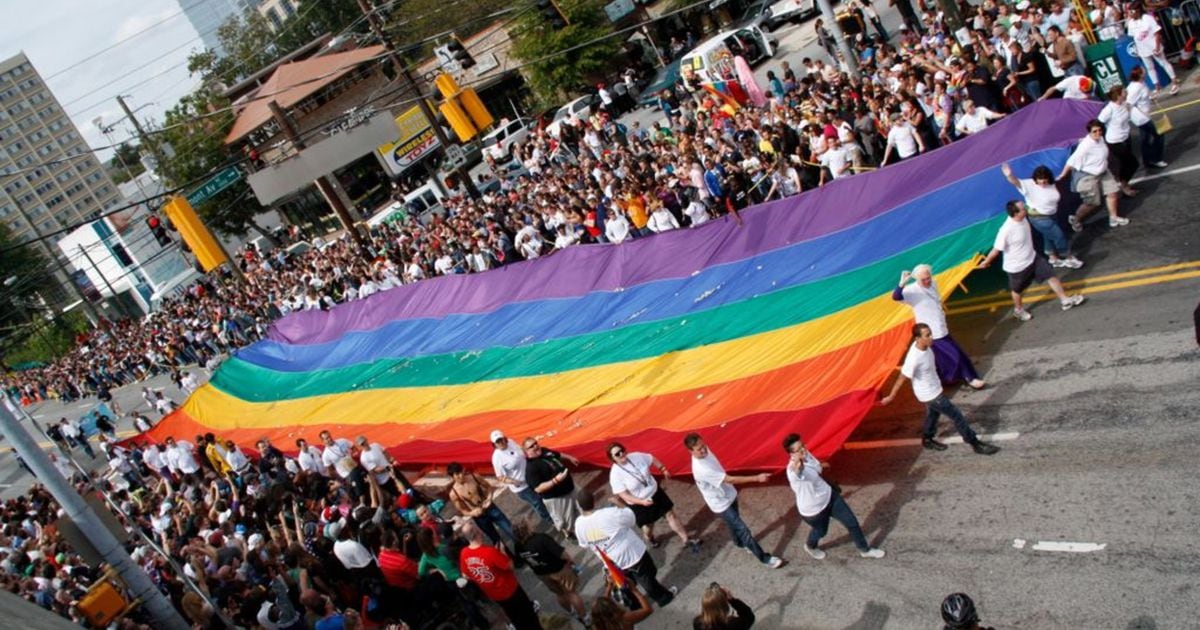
<point>57,34</point>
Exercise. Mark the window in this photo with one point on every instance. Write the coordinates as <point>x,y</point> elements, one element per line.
<point>5,210</point>
<point>54,201</point>
<point>276,21</point>
<point>25,160</point>
<point>288,8</point>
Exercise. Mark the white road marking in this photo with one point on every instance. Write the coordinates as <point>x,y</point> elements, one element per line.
<point>1174,171</point>
<point>995,437</point>
<point>1018,543</point>
<point>1073,547</point>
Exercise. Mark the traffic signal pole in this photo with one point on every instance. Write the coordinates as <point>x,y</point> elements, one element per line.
<point>153,147</point>
<point>430,118</point>
<point>137,582</point>
<point>88,257</point>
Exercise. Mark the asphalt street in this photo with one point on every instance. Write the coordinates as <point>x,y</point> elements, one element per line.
<point>1085,519</point>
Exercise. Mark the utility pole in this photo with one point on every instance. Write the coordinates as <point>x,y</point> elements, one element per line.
<point>401,68</point>
<point>121,308</point>
<point>843,44</point>
<point>323,184</point>
<point>137,582</point>
<point>153,147</point>
<point>952,16</point>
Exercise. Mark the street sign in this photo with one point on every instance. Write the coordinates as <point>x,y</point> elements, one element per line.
<point>446,59</point>
<point>214,185</point>
<point>455,156</point>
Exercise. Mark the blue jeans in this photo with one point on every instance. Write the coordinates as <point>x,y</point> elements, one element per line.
<point>741,534</point>
<point>840,511</point>
<point>1152,143</point>
<point>1054,242</point>
<point>942,406</point>
<point>492,520</point>
<point>535,501</point>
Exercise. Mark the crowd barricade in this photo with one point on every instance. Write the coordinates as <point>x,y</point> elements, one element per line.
<point>1179,24</point>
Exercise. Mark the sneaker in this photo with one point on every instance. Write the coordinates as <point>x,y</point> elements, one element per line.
<point>775,562</point>
<point>983,448</point>
<point>1059,262</point>
<point>1075,224</point>
<point>1073,263</point>
<point>1073,301</point>
<point>977,383</point>
<point>694,545</point>
<point>872,553</point>
<point>815,552</point>
<point>1117,221</point>
<point>1174,89</point>
<point>1022,314</point>
<point>1158,164</point>
<point>537,606</point>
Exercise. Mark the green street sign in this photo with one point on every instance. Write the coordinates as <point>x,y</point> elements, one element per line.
<point>214,185</point>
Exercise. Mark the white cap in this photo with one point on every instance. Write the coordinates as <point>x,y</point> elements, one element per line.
<point>1022,5</point>
<point>255,541</point>
<point>496,435</point>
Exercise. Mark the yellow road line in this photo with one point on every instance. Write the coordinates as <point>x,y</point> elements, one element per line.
<point>1175,107</point>
<point>1086,282</point>
<point>45,445</point>
<point>1091,289</point>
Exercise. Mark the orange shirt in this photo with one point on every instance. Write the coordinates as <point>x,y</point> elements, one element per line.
<point>636,206</point>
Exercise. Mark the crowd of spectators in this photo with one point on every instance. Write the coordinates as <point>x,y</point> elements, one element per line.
<point>337,534</point>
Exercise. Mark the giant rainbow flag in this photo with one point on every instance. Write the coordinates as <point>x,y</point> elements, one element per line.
<point>741,333</point>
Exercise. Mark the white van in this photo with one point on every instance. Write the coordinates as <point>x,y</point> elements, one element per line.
<point>708,62</point>
<point>423,203</point>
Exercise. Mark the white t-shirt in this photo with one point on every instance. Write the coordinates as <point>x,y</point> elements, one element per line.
<point>1016,241</point>
<point>920,368</point>
<point>903,137</point>
<point>927,307</point>
<point>374,458</point>
<point>1040,200</point>
<point>337,455</point>
<point>836,160</point>
<point>510,462</point>
<point>352,554</point>
<point>310,460</point>
<point>976,122</point>
<point>1138,97</point>
<point>1090,157</point>
<point>1142,31</point>
<point>612,530</point>
<point>1116,119</point>
<point>633,476</point>
<point>710,480</point>
<point>697,213</point>
<point>1070,88</point>
<point>812,491</point>
<point>183,457</point>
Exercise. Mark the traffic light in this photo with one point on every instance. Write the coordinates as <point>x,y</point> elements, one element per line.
<point>463,109</point>
<point>158,230</point>
<point>553,15</point>
<point>460,53</point>
<point>195,233</point>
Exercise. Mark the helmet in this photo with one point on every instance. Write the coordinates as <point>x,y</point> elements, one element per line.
<point>958,611</point>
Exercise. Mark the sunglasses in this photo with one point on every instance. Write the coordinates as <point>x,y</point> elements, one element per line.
<point>616,454</point>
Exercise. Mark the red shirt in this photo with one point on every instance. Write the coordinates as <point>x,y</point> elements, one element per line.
<point>398,569</point>
<point>491,570</point>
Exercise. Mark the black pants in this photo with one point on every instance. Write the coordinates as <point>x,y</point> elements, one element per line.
<point>520,611</point>
<point>646,574</point>
<point>1122,161</point>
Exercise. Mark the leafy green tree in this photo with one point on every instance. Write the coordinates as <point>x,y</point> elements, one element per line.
<point>126,163</point>
<point>24,272</point>
<point>553,76</point>
<point>413,22</point>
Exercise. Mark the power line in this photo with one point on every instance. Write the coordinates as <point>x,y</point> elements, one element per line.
<point>127,38</point>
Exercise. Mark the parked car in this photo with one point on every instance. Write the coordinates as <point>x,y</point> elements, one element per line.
<point>771,14</point>
<point>498,144</point>
<point>664,79</point>
<point>581,107</point>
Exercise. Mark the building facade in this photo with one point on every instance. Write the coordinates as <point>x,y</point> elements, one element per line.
<point>207,16</point>
<point>278,11</point>
<point>49,178</point>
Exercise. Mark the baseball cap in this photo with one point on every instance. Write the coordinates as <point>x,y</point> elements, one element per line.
<point>255,541</point>
<point>496,435</point>
<point>1085,84</point>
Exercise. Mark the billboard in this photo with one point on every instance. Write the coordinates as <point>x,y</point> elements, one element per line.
<point>416,141</point>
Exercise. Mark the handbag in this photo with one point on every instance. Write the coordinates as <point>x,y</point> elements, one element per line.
<point>1163,125</point>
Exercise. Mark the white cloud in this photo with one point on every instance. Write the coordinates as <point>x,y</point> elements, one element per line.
<point>137,23</point>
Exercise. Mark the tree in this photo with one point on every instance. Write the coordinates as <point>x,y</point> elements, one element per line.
<point>126,163</point>
<point>421,20</point>
<point>196,128</point>
<point>23,272</point>
<point>555,76</point>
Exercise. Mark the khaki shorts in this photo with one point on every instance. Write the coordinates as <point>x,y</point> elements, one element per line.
<point>1094,188</point>
<point>561,583</point>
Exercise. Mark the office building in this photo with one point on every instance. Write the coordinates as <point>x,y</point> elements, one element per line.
<point>50,178</point>
<point>207,16</point>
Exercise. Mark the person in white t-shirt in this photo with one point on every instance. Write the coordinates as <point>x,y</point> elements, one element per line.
<point>1147,39</point>
<point>1140,107</point>
<point>308,458</point>
<point>904,139</point>
<point>1076,87</point>
<point>975,118</point>
<point>1117,117</point>
<point>1041,204</point>
<point>508,463</point>
<point>818,501</point>
<point>919,368</point>
<point>613,532</point>
<point>836,160</point>
<point>1022,264</point>
<point>631,480</point>
<point>719,493</point>
<point>953,364</point>
<point>338,457</point>
<point>1096,183</point>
